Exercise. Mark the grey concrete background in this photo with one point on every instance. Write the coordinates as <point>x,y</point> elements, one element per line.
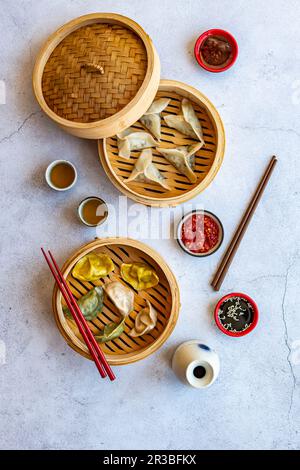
<point>51,397</point>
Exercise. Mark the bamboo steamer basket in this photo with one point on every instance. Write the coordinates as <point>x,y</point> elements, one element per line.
<point>207,162</point>
<point>164,297</point>
<point>96,75</point>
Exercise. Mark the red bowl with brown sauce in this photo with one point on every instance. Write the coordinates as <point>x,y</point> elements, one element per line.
<point>216,50</point>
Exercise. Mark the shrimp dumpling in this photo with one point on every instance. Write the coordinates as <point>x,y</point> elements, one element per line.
<point>151,119</point>
<point>145,321</point>
<point>146,171</point>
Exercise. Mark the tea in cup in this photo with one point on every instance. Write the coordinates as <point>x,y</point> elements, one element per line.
<point>92,211</point>
<point>61,175</point>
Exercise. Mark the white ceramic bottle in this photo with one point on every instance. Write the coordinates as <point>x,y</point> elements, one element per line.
<point>196,364</point>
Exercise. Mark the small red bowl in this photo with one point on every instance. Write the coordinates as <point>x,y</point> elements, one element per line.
<point>214,218</point>
<point>225,35</point>
<point>255,315</point>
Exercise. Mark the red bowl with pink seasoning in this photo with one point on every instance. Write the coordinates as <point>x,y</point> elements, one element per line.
<point>200,233</point>
<point>216,50</point>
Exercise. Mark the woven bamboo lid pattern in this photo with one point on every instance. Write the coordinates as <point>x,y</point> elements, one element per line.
<point>96,75</point>
<point>76,89</point>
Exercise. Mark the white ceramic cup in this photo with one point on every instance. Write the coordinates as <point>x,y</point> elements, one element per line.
<point>102,204</point>
<point>196,364</point>
<point>49,170</point>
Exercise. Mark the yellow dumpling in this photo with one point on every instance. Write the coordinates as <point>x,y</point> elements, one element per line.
<point>139,275</point>
<point>91,267</point>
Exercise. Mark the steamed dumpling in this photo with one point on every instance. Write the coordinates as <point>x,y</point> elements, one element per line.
<point>130,139</point>
<point>151,119</point>
<point>139,275</point>
<point>110,332</point>
<point>145,321</point>
<point>124,144</point>
<point>191,117</point>
<point>187,123</point>
<point>90,304</point>
<point>183,159</point>
<point>153,124</point>
<point>121,296</point>
<point>146,171</point>
<point>158,106</point>
<point>179,123</point>
<point>93,266</point>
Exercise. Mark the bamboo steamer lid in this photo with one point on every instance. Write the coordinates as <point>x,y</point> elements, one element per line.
<point>97,75</point>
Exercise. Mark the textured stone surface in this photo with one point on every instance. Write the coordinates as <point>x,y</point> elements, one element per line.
<point>50,396</point>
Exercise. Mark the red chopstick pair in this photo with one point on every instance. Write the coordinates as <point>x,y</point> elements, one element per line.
<point>94,348</point>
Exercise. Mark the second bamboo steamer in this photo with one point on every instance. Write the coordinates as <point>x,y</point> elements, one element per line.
<point>208,159</point>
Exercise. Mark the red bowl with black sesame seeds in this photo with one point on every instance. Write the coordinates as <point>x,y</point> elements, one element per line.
<point>236,314</point>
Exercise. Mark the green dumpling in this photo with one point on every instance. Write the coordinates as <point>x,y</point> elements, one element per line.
<point>90,304</point>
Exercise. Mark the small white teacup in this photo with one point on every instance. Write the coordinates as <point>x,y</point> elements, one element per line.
<point>61,175</point>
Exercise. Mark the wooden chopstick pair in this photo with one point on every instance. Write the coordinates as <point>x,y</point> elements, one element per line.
<point>241,229</point>
<point>94,348</point>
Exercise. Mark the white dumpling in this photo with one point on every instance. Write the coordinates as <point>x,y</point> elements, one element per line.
<point>190,149</point>
<point>121,296</point>
<point>151,119</point>
<point>191,117</point>
<point>158,106</point>
<point>183,159</point>
<point>125,133</point>
<point>124,148</point>
<point>130,139</point>
<point>146,171</point>
<point>145,321</point>
<point>186,123</point>
<point>179,123</point>
<point>153,123</point>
